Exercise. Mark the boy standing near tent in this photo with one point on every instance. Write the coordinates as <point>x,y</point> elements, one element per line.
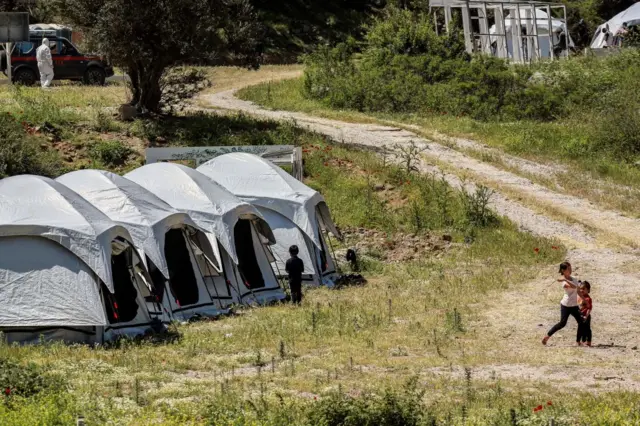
<point>294,268</point>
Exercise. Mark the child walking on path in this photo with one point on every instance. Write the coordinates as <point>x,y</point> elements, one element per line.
<point>585,303</point>
<point>569,303</point>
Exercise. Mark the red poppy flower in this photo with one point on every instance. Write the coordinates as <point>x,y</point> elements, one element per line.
<point>305,150</point>
<point>7,391</point>
<point>326,164</point>
<point>315,398</point>
<point>549,403</point>
<point>537,250</point>
<point>554,247</point>
<point>539,407</point>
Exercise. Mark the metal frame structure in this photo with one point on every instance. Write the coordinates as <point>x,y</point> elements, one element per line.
<point>280,155</point>
<point>524,33</point>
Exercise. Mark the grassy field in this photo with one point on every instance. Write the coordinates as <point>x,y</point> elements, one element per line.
<point>603,180</point>
<point>407,348</point>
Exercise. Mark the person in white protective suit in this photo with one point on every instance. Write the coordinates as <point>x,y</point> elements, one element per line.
<point>45,63</point>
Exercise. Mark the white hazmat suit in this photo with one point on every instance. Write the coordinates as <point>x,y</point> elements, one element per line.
<point>45,63</point>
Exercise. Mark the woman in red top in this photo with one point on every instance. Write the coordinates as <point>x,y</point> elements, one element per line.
<point>584,329</point>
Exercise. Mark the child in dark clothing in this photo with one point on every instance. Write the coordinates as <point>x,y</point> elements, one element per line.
<point>294,268</point>
<point>585,303</point>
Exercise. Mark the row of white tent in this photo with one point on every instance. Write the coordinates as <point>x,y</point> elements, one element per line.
<point>93,255</point>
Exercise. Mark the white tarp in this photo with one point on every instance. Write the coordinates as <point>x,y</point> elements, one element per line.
<point>209,205</point>
<point>44,284</point>
<point>630,16</point>
<point>39,206</point>
<point>262,183</point>
<point>542,26</point>
<point>146,217</point>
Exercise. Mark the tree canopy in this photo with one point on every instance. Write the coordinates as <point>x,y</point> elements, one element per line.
<point>146,37</point>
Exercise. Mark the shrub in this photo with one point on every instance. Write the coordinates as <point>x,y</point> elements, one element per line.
<point>110,153</point>
<point>21,153</point>
<point>26,381</point>
<point>406,67</point>
<point>392,408</point>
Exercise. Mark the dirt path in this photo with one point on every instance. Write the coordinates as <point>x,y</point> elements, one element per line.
<point>600,242</point>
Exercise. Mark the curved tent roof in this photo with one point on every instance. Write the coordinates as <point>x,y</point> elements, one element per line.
<point>260,182</point>
<point>146,217</point>
<point>631,16</point>
<point>39,206</point>
<point>211,207</point>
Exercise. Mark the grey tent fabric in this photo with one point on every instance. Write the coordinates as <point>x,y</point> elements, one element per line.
<point>39,206</point>
<point>262,183</point>
<point>287,234</point>
<point>44,284</point>
<point>146,217</point>
<point>211,207</point>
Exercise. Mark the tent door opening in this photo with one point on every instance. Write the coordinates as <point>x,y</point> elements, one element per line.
<point>247,259</point>
<point>122,305</point>
<point>182,278</point>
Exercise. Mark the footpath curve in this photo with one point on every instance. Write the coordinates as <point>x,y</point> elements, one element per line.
<point>601,243</point>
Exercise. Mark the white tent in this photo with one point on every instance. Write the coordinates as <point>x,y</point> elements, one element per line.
<point>542,27</point>
<point>200,288</point>
<point>238,227</point>
<point>611,28</point>
<point>66,271</point>
<point>263,184</point>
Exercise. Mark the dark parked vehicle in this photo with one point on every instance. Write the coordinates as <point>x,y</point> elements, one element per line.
<point>68,63</point>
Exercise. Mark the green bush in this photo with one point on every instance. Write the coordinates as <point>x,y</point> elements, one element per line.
<point>22,154</point>
<point>110,153</point>
<point>25,381</point>
<point>392,408</point>
<point>406,67</point>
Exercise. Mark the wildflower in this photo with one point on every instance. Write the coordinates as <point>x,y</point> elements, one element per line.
<point>537,250</point>
<point>326,164</point>
<point>549,403</point>
<point>554,247</point>
<point>7,391</point>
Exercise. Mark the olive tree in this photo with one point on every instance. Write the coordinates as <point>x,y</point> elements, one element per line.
<point>147,37</point>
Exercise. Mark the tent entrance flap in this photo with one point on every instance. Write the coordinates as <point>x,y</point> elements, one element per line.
<point>158,281</point>
<point>247,259</point>
<point>122,305</point>
<point>182,278</point>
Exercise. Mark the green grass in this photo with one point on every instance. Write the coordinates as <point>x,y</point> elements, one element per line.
<point>596,177</point>
<point>409,318</point>
<point>367,352</point>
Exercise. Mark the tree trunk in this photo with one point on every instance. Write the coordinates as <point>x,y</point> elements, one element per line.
<point>150,90</point>
<point>134,84</point>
